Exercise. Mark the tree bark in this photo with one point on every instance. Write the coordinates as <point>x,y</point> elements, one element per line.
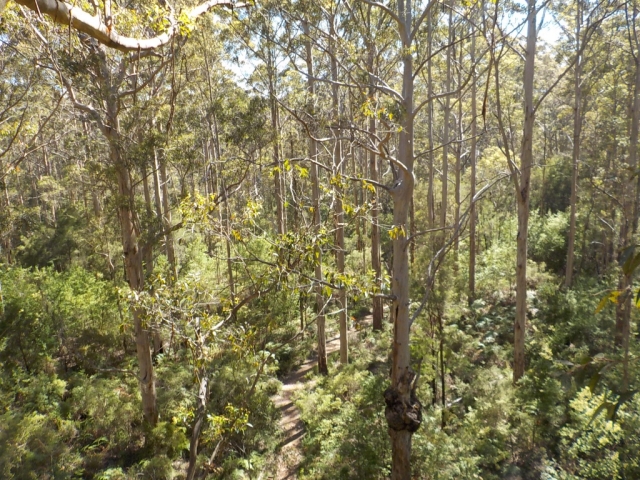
<point>135,277</point>
<point>315,198</point>
<point>431,202</point>
<point>166,218</point>
<point>227,242</point>
<point>157,189</point>
<point>523,196</point>
<point>148,251</point>
<point>376,264</point>
<point>577,128</point>
<point>201,410</point>
<point>472,180</point>
<point>338,171</point>
<point>403,410</point>
<point>632,209</point>
<point>445,137</point>
<point>459,138</point>
<point>278,170</point>
<point>374,174</point>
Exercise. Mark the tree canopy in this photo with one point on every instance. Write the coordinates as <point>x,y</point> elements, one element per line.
<point>336,239</point>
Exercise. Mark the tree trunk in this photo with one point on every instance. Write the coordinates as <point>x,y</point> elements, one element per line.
<point>472,180</point>
<point>157,189</point>
<point>158,344</point>
<point>373,172</point>
<point>132,252</point>
<point>166,217</point>
<point>632,204</point>
<point>445,137</point>
<point>459,138</point>
<point>148,251</point>
<point>633,143</point>
<point>376,264</point>
<point>201,410</point>
<point>577,127</point>
<point>135,277</point>
<point>412,232</point>
<point>227,241</point>
<point>338,171</point>
<point>5,204</point>
<point>49,171</point>
<point>313,155</point>
<point>294,186</point>
<point>224,217</point>
<point>523,195</point>
<point>278,171</point>
<point>403,410</point>
<point>431,207</point>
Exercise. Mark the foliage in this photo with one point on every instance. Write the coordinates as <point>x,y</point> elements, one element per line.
<point>168,198</point>
<point>339,409</point>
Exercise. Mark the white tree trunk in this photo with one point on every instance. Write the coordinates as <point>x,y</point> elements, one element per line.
<point>523,195</point>
<point>315,195</point>
<point>403,410</point>
<point>577,128</point>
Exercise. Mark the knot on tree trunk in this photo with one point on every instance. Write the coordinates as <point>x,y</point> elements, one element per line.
<point>404,410</point>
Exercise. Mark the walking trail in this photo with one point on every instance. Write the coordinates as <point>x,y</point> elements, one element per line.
<point>291,448</point>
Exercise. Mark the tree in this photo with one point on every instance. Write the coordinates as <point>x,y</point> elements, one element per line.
<point>110,84</point>
<point>472,180</point>
<point>104,30</point>
<point>582,36</point>
<point>315,195</point>
<point>338,173</point>
<point>631,198</point>
<point>521,178</point>
<point>403,411</point>
<point>577,128</point>
<point>523,194</point>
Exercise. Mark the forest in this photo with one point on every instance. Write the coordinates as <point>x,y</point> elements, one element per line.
<point>319,239</point>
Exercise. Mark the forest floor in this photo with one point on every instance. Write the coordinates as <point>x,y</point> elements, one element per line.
<point>290,455</point>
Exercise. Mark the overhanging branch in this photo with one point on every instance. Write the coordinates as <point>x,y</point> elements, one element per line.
<point>67,14</point>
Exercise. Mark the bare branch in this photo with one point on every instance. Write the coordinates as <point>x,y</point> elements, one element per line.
<point>67,14</point>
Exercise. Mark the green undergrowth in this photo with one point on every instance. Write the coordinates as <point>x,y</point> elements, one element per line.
<point>553,425</point>
<point>344,414</point>
<point>70,403</point>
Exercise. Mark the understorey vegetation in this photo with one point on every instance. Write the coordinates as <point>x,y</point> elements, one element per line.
<point>435,203</point>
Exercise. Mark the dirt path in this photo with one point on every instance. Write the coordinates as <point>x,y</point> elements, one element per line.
<point>290,423</point>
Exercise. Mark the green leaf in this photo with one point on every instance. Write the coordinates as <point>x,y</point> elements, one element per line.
<point>604,405</point>
<point>624,397</point>
<point>593,383</point>
<point>602,304</point>
<point>625,254</point>
<point>631,264</point>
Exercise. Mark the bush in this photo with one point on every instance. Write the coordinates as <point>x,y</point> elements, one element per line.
<point>548,239</point>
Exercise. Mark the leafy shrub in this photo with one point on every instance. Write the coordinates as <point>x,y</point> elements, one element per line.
<point>37,446</point>
<point>548,239</point>
<point>108,411</point>
<point>337,412</point>
<point>591,443</point>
